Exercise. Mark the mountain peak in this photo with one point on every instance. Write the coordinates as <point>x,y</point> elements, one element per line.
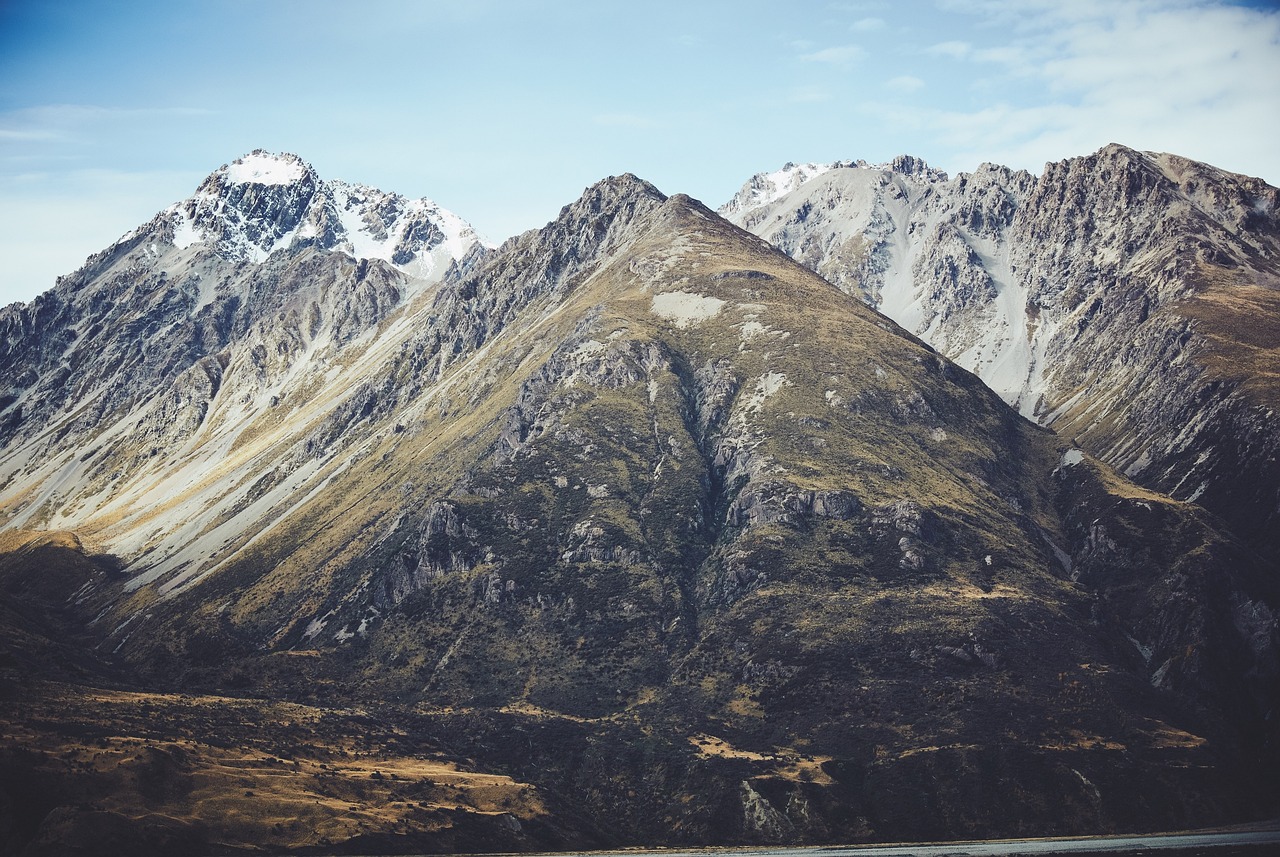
<point>615,190</point>
<point>910,165</point>
<point>607,214</point>
<point>266,168</point>
<point>764,188</point>
<point>264,202</point>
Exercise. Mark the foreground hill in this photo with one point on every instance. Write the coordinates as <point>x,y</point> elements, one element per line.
<point>653,531</point>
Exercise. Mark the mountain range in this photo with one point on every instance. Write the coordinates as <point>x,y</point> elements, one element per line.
<point>326,527</point>
<point>1126,299</point>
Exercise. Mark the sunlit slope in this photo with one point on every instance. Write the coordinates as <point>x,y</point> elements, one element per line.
<point>673,478</point>
<point>638,511</point>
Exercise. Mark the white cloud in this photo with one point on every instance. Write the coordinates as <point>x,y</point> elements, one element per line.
<point>1008,55</point>
<point>1195,79</point>
<point>27,134</point>
<point>904,83</point>
<point>867,25</point>
<point>46,116</point>
<point>954,49</point>
<point>836,55</point>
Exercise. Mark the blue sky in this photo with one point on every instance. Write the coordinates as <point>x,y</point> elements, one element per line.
<point>504,110</point>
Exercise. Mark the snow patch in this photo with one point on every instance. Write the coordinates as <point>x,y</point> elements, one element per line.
<point>368,235</point>
<point>766,188</point>
<point>1071,458</point>
<point>266,169</point>
<point>184,231</point>
<point>686,308</point>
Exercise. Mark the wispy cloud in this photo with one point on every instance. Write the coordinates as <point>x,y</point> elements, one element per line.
<point>808,95</point>
<point>954,49</point>
<point>27,134</point>
<point>904,83</point>
<point>839,55</point>
<point>867,25</point>
<point>1154,74</point>
<point>63,122</point>
<point>74,113</point>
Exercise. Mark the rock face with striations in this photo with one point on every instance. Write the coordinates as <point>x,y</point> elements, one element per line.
<point>639,511</point>
<point>1126,299</point>
<point>164,349</point>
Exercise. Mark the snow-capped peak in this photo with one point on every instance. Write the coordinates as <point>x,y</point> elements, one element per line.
<point>264,202</point>
<point>764,188</point>
<point>265,168</point>
<point>415,235</point>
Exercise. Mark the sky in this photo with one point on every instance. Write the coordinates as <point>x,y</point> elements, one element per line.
<point>504,110</point>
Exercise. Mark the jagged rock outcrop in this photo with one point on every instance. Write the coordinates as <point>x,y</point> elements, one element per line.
<point>193,333</point>
<point>1127,299</point>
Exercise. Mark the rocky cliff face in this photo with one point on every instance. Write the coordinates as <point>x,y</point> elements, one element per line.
<point>674,541</point>
<point>1126,299</point>
<point>137,373</point>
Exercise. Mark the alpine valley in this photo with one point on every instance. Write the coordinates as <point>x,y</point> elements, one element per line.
<point>327,528</point>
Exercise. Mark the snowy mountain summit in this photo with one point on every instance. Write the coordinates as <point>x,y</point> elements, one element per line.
<point>265,202</point>
<point>200,320</point>
<point>764,189</point>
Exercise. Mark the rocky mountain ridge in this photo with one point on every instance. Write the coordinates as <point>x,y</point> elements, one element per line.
<point>1125,299</point>
<point>265,202</point>
<point>192,328</point>
<point>630,531</point>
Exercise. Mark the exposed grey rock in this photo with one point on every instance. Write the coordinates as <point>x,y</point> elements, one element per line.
<point>904,516</point>
<point>1084,297</point>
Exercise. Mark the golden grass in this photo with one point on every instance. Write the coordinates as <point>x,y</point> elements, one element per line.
<point>784,762</point>
<point>316,781</point>
<point>1238,321</point>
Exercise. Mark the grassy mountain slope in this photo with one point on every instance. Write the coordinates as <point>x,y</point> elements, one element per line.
<point>645,515</point>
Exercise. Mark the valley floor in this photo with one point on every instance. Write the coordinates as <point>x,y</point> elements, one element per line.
<point>94,771</point>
